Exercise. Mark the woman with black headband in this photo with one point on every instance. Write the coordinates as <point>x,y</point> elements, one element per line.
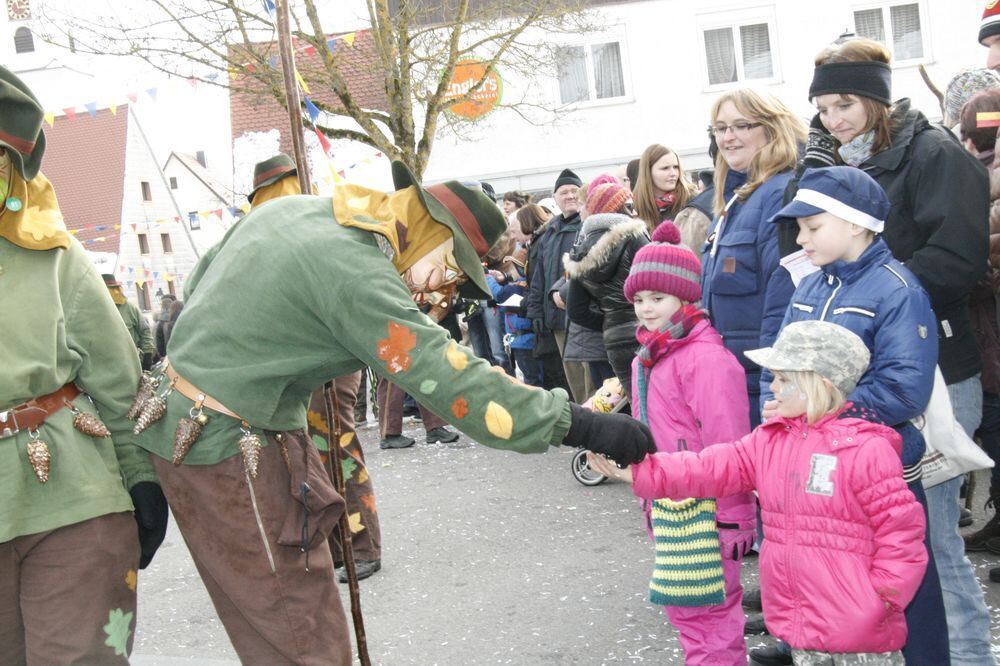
<point>937,227</point>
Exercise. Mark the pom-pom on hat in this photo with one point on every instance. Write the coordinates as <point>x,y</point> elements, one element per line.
<point>666,266</point>
<point>607,198</point>
<point>990,24</point>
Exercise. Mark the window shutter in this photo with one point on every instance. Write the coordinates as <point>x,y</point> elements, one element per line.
<point>720,54</point>
<point>907,40</point>
<point>756,44</point>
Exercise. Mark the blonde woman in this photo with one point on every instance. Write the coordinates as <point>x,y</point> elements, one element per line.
<point>744,288</point>
<point>662,190</point>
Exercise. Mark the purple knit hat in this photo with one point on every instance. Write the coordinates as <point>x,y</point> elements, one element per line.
<point>665,266</point>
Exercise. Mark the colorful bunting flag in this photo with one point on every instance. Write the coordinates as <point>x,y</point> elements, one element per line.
<point>91,109</point>
<point>50,118</point>
<point>152,93</point>
<point>349,38</point>
<point>302,82</point>
<point>70,112</point>
<point>312,110</point>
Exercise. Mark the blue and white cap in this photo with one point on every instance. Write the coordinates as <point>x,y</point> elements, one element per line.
<point>844,191</point>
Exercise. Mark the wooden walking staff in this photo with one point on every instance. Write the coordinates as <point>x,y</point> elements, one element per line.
<point>334,455</point>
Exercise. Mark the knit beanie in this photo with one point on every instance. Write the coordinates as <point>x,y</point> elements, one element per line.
<point>990,24</point>
<point>964,86</point>
<point>567,177</point>
<point>666,266</point>
<point>607,198</point>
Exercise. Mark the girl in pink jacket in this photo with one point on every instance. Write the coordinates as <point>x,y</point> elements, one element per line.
<point>844,552</point>
<point>691,391</point>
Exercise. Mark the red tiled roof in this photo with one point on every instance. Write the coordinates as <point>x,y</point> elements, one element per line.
<point>85,160</point>
<point>261,112</point>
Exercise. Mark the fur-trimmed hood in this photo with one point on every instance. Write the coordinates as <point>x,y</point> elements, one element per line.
<point>602,239</point>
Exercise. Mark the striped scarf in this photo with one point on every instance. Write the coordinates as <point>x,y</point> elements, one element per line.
<point>688,569</point>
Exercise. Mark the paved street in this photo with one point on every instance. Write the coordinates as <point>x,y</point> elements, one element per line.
<point>488,558</point>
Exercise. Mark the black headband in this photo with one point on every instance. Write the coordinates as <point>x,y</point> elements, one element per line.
<point>867,79</point>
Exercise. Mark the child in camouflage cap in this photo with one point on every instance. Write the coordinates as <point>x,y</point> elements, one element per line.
<point>844,553</point>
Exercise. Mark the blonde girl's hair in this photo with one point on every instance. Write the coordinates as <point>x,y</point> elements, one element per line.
<point>644,194</point>
<point>531,218</point>
<point>581,194</point>
<point>785,131</point>
<point>864,50</point>
<point>822,397</point>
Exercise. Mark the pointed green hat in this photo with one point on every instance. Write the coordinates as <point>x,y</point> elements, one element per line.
<point>21,119</point>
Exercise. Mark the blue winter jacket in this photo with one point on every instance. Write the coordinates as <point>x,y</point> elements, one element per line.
<point>514,323</point>
<point>880,300</point>
<point>743,286</point>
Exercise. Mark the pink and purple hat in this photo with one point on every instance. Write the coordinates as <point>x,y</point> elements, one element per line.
<point>666,266</point>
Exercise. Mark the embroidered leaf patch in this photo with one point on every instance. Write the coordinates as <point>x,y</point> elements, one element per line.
<point>118,631</point>
<point>320,443</point>
<point>348,466</point>
<point>346,438</point>
<point>317,422</point>
<point>458,358</point>
<point>460,408</point>
<point>363,476</point>
<point>428,386</point>
<point>498,421</point>
<point>355,521</point>
<point>394,350</point>
<point>369,502</point>
<point>131,579</point>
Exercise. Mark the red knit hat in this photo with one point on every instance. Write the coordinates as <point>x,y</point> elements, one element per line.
<point>607,198</point>
<point>990,24</point>
<point>665,266</point>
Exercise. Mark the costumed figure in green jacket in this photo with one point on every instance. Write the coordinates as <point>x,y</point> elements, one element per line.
<point>135,323</point>
<point>306,288</point>
<point>73,484</point>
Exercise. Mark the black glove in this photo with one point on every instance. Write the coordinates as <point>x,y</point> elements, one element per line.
<point>617,436</point>
<point>151,516</point>
<point>820,146</point>
<point>537,326</point>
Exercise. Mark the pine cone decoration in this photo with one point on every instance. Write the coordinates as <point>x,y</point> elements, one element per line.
<point>250,446</point>
<point>90,425</point>
<point>40,459</point>
<point>186,434</point>
<point>147,386</point>
<point>152,411</point>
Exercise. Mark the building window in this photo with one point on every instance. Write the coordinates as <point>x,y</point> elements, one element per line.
<point>738,53</point>
<point>147,192</point>
<point>143,244</point>
<point>897,25</point>
<point>173,182</point>
<point>590,72</point>
<point>168,247</point>
<point>194,220</point>
<point>142,294</point>
<point>24,42</point>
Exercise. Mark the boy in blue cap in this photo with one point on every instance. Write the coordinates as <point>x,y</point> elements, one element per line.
<point>840,212</point>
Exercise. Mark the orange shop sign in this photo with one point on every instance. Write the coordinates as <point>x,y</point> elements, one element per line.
<point>484,100</point>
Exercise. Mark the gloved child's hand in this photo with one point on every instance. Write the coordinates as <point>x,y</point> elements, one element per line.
<point>621,438</point>
<point>602,465</point>
<point>736,543</point>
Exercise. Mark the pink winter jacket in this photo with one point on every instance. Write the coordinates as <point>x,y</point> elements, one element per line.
<point>844,552</point>
<point>697,396</point>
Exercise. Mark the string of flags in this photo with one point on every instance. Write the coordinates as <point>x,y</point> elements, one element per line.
<point>92,107</point>
<point>308,49</point>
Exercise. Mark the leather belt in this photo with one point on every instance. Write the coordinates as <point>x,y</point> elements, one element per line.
<point>192,392</point>
<point>32,414</point>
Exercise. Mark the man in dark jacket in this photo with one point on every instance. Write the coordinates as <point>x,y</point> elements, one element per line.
<point>557,239</point>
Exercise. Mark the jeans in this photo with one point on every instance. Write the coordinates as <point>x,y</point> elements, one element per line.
<point>968,619</point>
<point>530,366</point>
<point>494,325</point>
<point>989,434</point>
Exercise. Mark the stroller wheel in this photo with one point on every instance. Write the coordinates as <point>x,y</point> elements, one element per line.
<point>582,471</point>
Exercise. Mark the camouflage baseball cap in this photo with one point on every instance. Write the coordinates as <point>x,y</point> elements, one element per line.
<point>827,349</point>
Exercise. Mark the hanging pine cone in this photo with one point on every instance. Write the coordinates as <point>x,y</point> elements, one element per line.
<point>40,459</point>
<point>187,433</point>
<point>250,446</point>
<point>90,425</point>
<point>147,386</point>
<point>152,411</point>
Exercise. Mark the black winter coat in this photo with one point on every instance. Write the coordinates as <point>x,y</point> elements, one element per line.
<point>937,226</point>
<point>597,266</point>
<point>549,248</point>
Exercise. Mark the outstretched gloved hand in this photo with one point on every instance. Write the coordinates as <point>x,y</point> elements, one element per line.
<point>617,436</point>
<point>151,517</point>
<point>820,146</point>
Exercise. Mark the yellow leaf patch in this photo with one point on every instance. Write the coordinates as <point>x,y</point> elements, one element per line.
<point>458,358</point>
<point>498,421</point>
<point>355,521</point>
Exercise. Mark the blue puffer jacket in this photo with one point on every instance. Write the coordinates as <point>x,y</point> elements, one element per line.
<point>743,287</point>
<point>514,323</point>
<point>879,298</point>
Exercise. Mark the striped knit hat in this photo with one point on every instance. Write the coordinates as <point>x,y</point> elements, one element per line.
<point>990,24</point>
<point>665,266</point>
<point>607,198</point>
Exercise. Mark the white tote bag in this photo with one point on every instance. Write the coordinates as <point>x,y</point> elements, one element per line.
<point>950,452</point>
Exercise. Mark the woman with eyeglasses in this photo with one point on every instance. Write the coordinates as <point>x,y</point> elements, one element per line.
<point>744,288</point>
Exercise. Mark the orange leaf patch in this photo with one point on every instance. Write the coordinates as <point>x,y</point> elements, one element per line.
<point>394,350</point>
<point>460,408</point>
<point>369,502</point>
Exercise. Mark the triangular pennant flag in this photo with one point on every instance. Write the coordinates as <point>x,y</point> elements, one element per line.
<point>323,142</point>
<point>70,112</point>
<point>170,277</point>
<point>302,82</point>
<point>131,269</point>
<point>156,274</point>
<point>113,108</point>
<point>270,7</point>
<point>139,283</point>
<point>245,207</point>
<point>250,67</point>
<point>133,228</point>
<point>133,97</point>
<point>91,109</point>
<point>310,50</point>
<point>341,174</point>
<point>194,82</point>
<point>233,73</point>
<point>272,62</point>
<point>152,93</point>
<point>312,110</point>
<point>50,118</point>
<point>349,38</point>
<point>218,213</point>
<point>330,43</point>
<point>378,153</point>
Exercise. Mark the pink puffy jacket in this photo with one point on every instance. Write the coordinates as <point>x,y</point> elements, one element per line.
<point>844,548</point>
<point>697,396</point>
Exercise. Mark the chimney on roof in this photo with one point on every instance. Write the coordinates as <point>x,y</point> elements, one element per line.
<point>200,156</point>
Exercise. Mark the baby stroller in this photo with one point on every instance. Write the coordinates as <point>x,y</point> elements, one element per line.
<point>609,398</point>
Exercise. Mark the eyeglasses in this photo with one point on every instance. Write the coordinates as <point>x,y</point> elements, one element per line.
<point>739,129</point>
